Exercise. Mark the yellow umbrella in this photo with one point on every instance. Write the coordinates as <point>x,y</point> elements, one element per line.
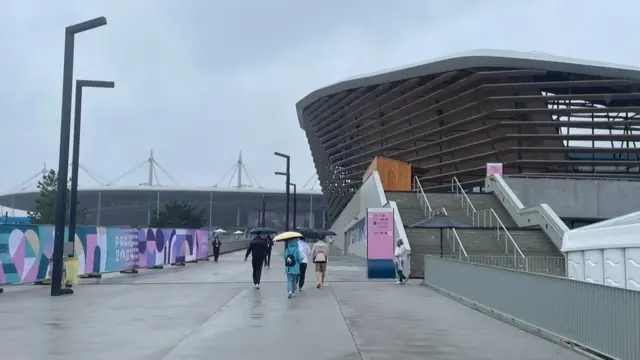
<point>287,235</point>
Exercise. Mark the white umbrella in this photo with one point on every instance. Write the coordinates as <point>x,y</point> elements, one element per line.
<point>220,231</point>
<point>238,233</point>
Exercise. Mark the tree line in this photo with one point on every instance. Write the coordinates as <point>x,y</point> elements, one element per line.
<point>174,214</point>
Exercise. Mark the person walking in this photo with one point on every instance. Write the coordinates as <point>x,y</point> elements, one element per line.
<point>257,248</point>
<point>400,258</point>
<point>216,247</point>
<point>305,251</point>
<point>320,257</point>
<point>267,258</point>
<point>292,261</point>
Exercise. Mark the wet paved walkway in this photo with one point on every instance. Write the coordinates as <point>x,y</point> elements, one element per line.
<point>210,311</point>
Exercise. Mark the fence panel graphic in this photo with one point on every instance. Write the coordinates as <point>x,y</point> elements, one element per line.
<point>26,250</point>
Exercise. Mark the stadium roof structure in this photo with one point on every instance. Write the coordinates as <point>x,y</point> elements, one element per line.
<point>111,194</point>
<point>531,111</point>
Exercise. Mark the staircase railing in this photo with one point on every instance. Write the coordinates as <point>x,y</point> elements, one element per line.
<point>489,214</point>
<point>422,197</point>
<point>465,203</point>
<point>462,253</point>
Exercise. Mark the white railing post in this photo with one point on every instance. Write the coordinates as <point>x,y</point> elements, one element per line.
<point>469,208</point>
<point>422,197</point>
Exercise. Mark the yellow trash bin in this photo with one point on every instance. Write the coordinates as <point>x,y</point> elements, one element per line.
<point>71,271</point>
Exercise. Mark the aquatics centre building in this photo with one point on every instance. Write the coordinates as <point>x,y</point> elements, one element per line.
<point>532,112</point>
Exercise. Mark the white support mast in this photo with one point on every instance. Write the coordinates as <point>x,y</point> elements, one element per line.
<point>236,172</point>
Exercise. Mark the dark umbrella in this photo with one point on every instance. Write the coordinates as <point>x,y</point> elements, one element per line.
<point>263,231</point>
<point>440,222</point>
<point>326,233</point>
<point>309,233</point>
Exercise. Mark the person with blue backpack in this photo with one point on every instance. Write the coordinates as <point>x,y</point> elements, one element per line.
<point>292,261</point>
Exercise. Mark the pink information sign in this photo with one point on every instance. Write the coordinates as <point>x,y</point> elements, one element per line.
<point>380,233</point>
<point>494,168</point>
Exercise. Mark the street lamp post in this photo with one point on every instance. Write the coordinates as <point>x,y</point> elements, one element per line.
<point>77,122</point>
<point>295,199</point>
<point>295,205</point>
<point>263,217</point>
<point>63,156</point>
<point>287,174</point>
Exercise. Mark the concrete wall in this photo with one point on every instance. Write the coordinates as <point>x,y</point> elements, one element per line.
<point>579,198</point>
<point>347,216</point>
<point>370,195</point>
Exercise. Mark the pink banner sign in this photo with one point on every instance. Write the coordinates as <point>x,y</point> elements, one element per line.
<point>380,233</point>
<point>494,168</point>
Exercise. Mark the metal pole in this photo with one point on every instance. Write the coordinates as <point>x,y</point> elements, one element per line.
<point>158,204</point>
<point>99,208</point>
<point>75,159</point>
<point>63,165</point>
<point>311,219</point>
<point>288,192</point>
<point>210,210</point>
<point>295,206</point>
<point>264,211</point>
<point>63,156</point>
<point>287,174</point>
<point>73,198</point>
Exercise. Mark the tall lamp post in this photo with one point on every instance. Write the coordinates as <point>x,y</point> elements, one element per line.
<point>295,200</point>
<point>295,205</point>
<point>288,178</point>
<point>63,156</point>
<point>263,216</point>
<point>77,122</point>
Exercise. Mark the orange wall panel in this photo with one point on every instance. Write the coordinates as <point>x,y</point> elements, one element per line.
<point>394,174</point>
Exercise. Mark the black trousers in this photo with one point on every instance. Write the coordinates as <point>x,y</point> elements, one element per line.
<point>216,253</point>
<point>267,258</point>
<point>303,271</point>
<point>256,264</point>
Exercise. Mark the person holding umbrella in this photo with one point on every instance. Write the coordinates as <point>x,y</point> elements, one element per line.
<point>258,249</point>
<point>292,259</point>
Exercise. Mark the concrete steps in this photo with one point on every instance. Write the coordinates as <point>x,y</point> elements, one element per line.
<point>481,244</point>
<point>408,205</point>
<point>484,201</point>
<point>425,242</point>
<point>451,204</point>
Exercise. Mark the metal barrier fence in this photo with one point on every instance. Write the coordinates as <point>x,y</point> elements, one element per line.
<point>603,319</point>
<point>547,265</point>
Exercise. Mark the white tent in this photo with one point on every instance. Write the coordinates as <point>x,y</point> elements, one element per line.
<point>605,253</point>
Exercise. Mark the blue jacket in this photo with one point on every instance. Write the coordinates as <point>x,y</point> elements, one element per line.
<point>293,249</point>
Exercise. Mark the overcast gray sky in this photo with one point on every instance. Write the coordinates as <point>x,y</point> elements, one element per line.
<point>199,80</point>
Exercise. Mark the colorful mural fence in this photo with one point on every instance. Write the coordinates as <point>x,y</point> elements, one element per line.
<point>25,250</point>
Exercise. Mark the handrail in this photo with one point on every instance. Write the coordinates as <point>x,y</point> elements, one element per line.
<point>461,249</point>
<point>519,207</point>
<point>500,224</point>
<point>422,196</point>
<point>459,189</point>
